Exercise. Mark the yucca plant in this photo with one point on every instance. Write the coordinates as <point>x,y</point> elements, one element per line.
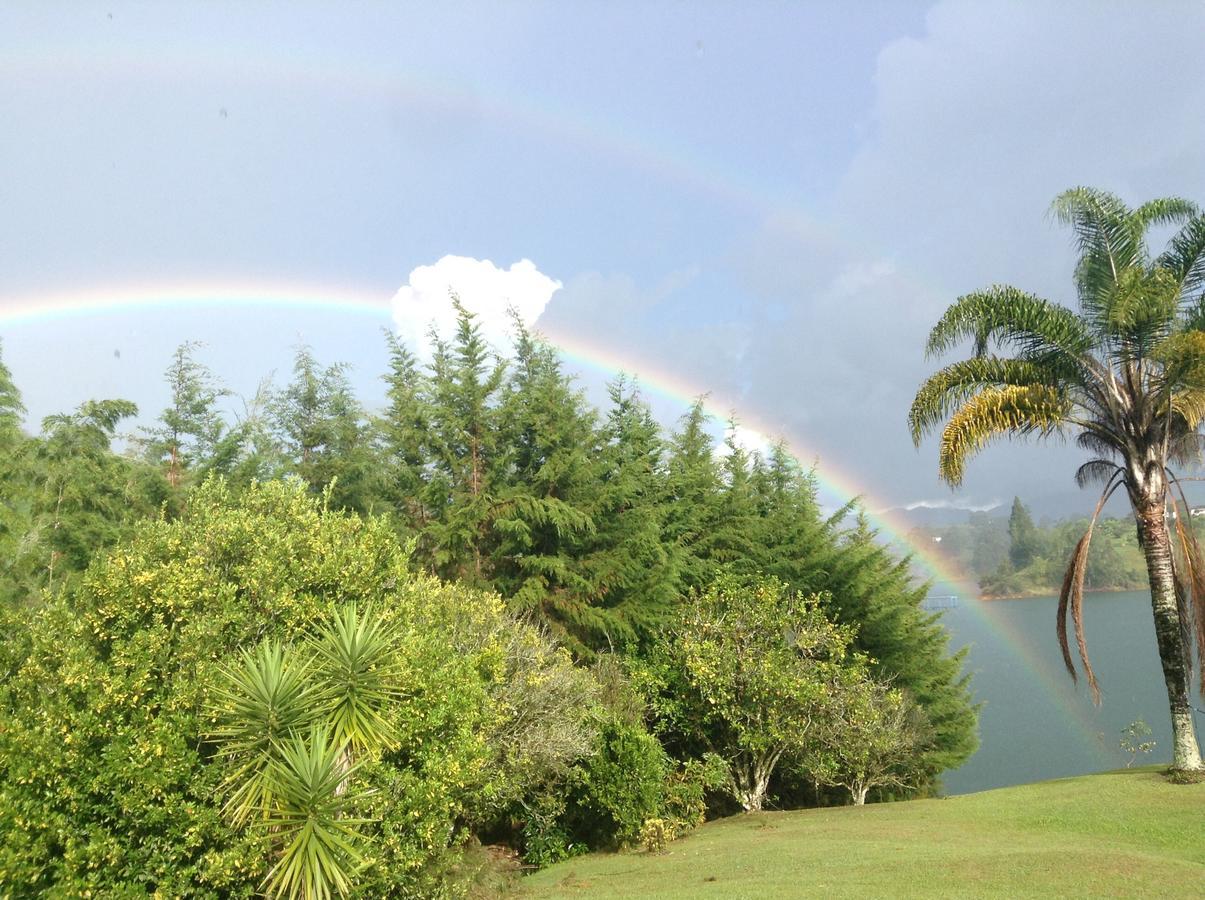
<point>293,724</point>
<point>1125,374</point>
<point>261,702</point>
<point>319,856</point>
<point>357,658</point>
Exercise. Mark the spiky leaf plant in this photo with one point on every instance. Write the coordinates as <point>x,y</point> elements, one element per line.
<point>310,822</point>
<point>262,701</point>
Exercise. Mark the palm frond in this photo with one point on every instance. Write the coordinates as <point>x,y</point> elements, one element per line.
<point>1099,441</point>
<point>1099,471</point>
<point>1105,238</point>
<point>1034,327</point>
<point>948,389</point>
<point>1010,410</point>
<point>1072,595</point>
<point>1192,613</point>
<point>1185,257</point>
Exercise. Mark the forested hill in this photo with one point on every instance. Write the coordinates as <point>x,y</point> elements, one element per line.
<point>1012,556</point>
<point>572,713</point>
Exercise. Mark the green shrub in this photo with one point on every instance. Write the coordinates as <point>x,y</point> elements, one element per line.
<point>108,781</point>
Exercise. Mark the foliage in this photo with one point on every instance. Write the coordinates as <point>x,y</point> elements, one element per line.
<point>871,740</point>
<point>750,672</point>
<point>1133,740</point>
<point>189,432</point>
<point>108,784</point>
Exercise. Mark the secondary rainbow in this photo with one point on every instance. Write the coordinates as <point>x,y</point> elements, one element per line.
<point>836,485</point>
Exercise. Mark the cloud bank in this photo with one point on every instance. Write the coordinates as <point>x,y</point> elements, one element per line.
<point>424,302</point>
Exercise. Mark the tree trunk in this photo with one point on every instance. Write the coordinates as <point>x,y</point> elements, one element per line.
<point>857,791</point>
<point>751,781</point>
<point>1155,539</point>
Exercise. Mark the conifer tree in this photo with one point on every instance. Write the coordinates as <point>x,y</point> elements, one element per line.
<point>402,430</point>
<point>692,495</point>
<point>463,453</point>
<point>875,590</point>
<point>190,429</point>
<point>544,495</point>
<point>323,433</point>
<point>634,570</point>
<point>1025,544</point>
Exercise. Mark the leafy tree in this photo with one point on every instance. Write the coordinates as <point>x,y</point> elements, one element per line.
<point>750,673</point>
<point>872,740</point>
<point>86,497</point>
<point>872,590</point>
<point>1126,374</point>
<point>1024,540</point>
<point>16,478</point>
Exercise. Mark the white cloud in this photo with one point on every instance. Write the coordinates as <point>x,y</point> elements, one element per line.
<point>484,289</point>
<point>748,439</point>
<point>968,505</point>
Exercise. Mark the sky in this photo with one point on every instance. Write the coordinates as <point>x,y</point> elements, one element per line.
<point>770,203</point>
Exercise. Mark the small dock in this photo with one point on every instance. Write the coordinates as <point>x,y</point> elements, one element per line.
<point>943,601</point>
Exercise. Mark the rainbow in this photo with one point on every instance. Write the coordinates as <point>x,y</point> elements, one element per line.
<point>236,66</point>
<point>579,354</point>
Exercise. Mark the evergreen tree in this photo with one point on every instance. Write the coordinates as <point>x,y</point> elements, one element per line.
<point>403,434</point>
<point>634,570</point>
<point>1025,544</point>
<point>692,496</point>
<point>324,435</point>
<point>463,453</point>
<point>545,491</point>
<point>874,590</point>
<point>190,429</point>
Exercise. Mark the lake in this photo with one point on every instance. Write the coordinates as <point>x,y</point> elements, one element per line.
<point>1035,723</point>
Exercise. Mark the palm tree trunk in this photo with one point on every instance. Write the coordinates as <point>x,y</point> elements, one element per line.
<point>1155,539</point>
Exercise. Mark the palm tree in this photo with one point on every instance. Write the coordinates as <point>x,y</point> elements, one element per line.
<point>1126,375</point>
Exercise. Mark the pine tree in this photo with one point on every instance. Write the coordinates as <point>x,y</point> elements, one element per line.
<point>463,453</point>
<point>692,495</point>
<point>402,430</point>
<point>1025,544</point>
<point>191,428</point>
<point>545,492</point>
<point>324,435</point>
<point>634,570</point>
<point>873,589</point>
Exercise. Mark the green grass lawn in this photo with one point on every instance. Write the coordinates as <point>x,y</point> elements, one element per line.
<point>1123,834</point>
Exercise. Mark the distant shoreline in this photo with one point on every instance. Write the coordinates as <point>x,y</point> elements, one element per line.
<point>1034,595</point>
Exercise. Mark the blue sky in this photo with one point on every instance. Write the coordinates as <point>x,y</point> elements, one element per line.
<point>771,201</point>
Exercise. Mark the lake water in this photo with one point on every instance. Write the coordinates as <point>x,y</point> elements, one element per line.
<point>1035,723</point>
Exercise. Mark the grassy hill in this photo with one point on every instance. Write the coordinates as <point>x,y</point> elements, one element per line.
<point>1126,834</point>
